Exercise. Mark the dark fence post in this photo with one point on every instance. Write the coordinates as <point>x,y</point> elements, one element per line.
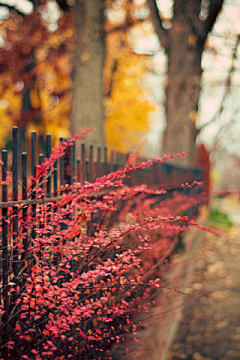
<point>87,170</point>
<point>78,170</point>
<point>5,260</point>
<point>61,168</point>
<point>68,166</point>
<point>24,210</point>
<point>73,162</point>
<point>15,198</point>
<point>33,172</point>
<point>49,179</point>
<point>92,176</point>
<point>55,178</point>
<point>83,160</point>
<point>49,145</point>
<point>41,160</point>
<point>99,162</point>
<point>105,161</point>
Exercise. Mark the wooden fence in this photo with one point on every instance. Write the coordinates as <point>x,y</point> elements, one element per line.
<point>69,168</point>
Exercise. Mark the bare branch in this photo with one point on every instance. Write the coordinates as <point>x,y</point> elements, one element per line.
<point>228,87</point>
<point>223,133</point>
<point>214,9</point>
<point>157,22</point>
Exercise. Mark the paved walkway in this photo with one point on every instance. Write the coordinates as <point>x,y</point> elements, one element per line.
<point>210,325</point>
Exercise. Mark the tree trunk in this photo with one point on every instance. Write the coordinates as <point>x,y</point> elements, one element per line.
<point>87,92</point>
<point>182,92</point>
<point>184,44</point>
<point>31,111</point>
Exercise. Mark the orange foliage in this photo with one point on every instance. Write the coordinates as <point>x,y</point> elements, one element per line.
<point>127,108</point>
<point>36,60</point>
<point>127,101</point>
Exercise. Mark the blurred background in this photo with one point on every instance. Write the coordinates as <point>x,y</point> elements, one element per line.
<point>150,76</point>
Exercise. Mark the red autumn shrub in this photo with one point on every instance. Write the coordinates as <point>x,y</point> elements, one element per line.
<point>77,291</point>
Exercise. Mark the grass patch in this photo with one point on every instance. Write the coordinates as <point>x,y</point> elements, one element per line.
<point>218,220</point>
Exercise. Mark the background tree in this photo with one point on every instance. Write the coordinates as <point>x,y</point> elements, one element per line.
<point>52,70</point>
<point>183,36</point>
<point>85,20</point>
<point>87,76</point>
<point>75,44</point>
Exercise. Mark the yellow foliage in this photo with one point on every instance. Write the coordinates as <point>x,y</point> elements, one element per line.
<point>54,41</point>
<point>69,32</point>
<point>127,108</point>
<point>55,109</point>
<point>34,98</point>
<point>127,103</point>
<point>10,105</point>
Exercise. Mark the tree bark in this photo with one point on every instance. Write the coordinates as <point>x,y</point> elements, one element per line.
<point>87,91</point>
<point>31,111</point>
<point>182,92</point>
<point>184,44</point>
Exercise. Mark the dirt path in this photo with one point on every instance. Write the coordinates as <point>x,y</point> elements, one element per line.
<point>210,325</point>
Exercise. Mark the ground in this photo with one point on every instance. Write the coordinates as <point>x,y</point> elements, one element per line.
<point>210,325</point>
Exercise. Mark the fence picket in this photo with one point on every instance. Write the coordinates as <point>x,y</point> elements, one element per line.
<point>92,176</point>
<point>105,161</point>
<point>24,210</point>
<point>49,145</point>
<point>61,167</point>
<point>33,173</point>
<point>99,162</point>
<point>78,170</point>
<point>15,198</point>
<point>83,161</point>
<point>87,173</point>
<point>5,259</point>
<point>55,178</point>
<point>73,162</point>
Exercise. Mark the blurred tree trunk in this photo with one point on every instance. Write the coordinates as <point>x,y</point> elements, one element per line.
<point>87,92</point>
<point>31,109</point>
<point>184,43</point>
<point>182,92</point>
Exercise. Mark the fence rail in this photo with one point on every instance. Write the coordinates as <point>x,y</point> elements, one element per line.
<point>70,168</point>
